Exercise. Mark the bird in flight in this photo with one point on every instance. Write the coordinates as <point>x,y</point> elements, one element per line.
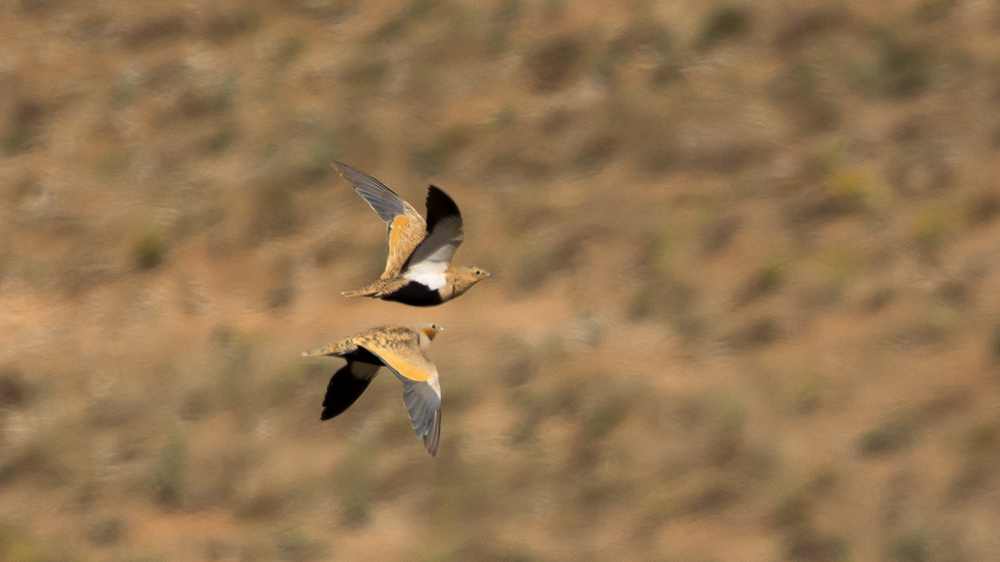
<point>402,350</point>
<point>418,270</point>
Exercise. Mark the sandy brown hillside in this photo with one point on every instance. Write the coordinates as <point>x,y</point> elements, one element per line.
<point>745,300</point>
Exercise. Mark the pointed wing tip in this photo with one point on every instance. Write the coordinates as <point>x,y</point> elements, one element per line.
<point>443,204</point>
<point>339,168</point>
<point>433,435</point>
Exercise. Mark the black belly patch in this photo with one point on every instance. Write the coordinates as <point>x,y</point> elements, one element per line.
<point>416,294</point>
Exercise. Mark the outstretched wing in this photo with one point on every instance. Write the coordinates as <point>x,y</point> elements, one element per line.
<point>383,200</point>
<point>346,385</point>
<point>423,401</point>
<point>432,256</point>
<point>406,228</point>
<point>399,350</point>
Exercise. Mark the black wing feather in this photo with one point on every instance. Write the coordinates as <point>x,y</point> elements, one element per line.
<point>344,390</point>
<point>439,206</point>
<point>444,227</point>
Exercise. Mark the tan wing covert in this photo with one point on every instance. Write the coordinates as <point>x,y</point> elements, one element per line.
<point>406,228</point>
<point>399,349</point>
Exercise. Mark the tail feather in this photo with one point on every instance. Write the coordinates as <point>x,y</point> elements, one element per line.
<point>374,289</point>
<point>359,293</point>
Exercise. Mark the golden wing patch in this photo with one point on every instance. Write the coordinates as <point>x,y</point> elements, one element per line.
<point>409,363</point>
<point>405,233</point>
<point>396,229</point>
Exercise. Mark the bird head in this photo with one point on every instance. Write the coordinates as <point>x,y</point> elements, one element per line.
<point>428,329</point>
<point>466,277</point>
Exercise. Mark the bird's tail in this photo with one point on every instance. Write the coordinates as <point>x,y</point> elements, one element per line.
<point>370,290</point>
<point>358,293</point>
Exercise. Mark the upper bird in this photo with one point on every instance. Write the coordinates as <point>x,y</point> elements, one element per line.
<point>418,270</point>
<point>401,349</point>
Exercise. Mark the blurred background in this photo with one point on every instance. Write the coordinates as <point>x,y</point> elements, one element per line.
<point>745,300</point>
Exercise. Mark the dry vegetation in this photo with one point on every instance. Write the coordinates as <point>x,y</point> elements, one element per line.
<point>745,303</point>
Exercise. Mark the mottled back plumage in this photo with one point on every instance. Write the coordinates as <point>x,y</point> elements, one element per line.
<point>402,350</point>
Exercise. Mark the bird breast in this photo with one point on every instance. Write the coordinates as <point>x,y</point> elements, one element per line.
<point>430,274</point>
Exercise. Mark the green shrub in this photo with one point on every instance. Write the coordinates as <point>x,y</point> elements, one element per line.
<point>725,22</point>
<point>149,248</point>
<point>168,471</point>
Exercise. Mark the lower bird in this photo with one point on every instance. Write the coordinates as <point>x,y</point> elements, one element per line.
<point>418,270</point>
<point>402,350</point>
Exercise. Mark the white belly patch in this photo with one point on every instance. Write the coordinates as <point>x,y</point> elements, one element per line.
<point>428,273</point>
